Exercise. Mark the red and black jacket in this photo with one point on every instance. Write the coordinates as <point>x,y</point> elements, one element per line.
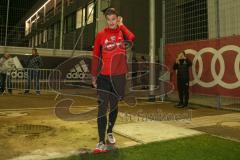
<point>110,49</point>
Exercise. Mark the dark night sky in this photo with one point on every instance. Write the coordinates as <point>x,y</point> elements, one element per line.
<point>18,8</point>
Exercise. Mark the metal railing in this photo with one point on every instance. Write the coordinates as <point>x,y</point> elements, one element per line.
<point>27,79</point>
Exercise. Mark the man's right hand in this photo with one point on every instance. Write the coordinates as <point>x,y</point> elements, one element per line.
<point>94,81</point>
<point>120,20</point>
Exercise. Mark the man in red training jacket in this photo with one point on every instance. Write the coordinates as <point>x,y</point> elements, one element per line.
<point>109,79</point>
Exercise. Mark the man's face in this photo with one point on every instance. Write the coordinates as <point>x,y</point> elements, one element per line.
<point>34,52</point>
<point>6,55</point>
<point>112,21</point>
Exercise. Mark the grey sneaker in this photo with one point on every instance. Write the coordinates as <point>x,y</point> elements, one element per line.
<point>100,148</point>
<point>110,138</point>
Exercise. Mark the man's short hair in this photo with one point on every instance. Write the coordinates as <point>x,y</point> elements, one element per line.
<point>110,11</point>
<point>35,49</point>
<point>183,52</point>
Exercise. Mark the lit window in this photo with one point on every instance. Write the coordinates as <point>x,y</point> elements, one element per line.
<point>90,13</point>
<point>27,28</point>
<point>79,19</point>
<point>84,16</point>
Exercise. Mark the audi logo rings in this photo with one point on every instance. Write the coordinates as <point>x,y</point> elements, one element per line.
<point>217,77</point>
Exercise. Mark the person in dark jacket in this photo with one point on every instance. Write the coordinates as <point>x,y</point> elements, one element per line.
<point>5,65</point>
<point>34,63</point>
<point>182,65</point>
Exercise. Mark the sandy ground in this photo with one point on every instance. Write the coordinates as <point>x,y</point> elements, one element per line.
<point>30,126</point>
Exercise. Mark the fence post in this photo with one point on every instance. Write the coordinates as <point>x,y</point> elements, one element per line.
<point>6,33</point>
<point>62,26</point>
<point>152,46</point>
<point>218,37</point>
<point>162,52</point>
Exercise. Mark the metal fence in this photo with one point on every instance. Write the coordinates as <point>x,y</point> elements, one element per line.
<point>186,20</point>
<point>11,17</point>
<point>28,79</point>
<point>15,36</point>
<point>205,26</point>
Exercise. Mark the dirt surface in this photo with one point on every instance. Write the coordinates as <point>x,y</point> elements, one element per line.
<point>20,101</point>
<point>41,130</point>
<point>29,124</point>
